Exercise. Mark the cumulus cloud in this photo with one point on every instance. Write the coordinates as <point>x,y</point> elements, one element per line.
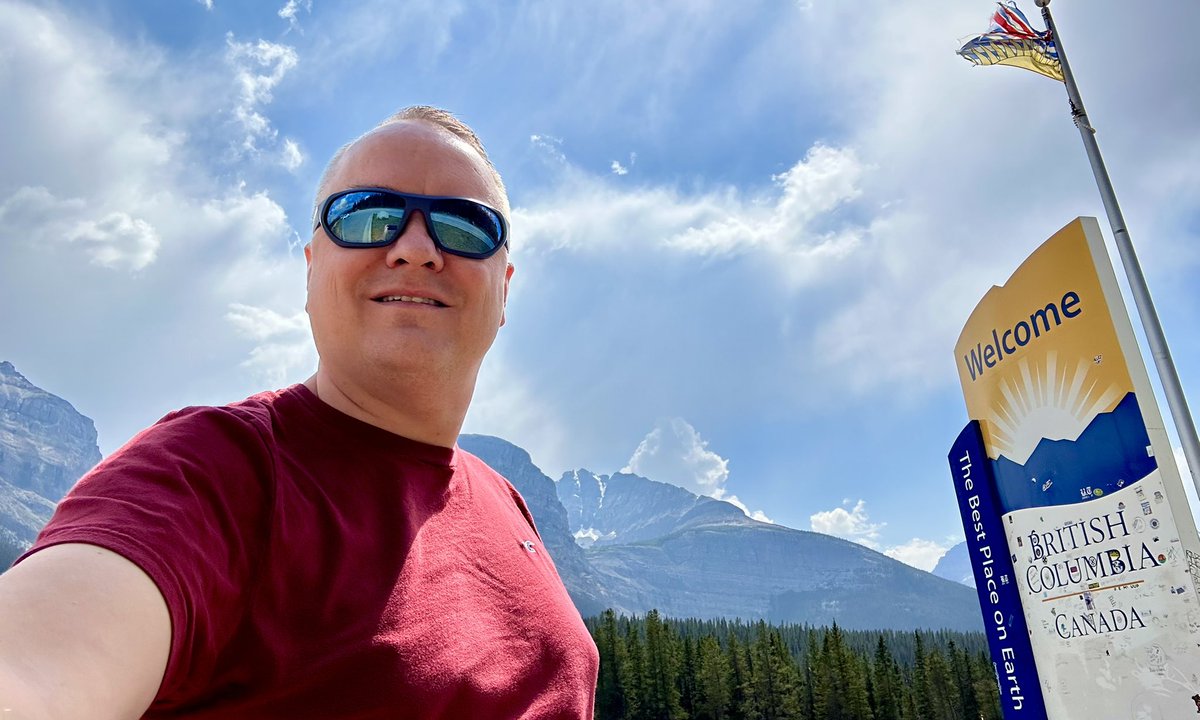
<point>208,4</point>
<point>118,241</point>
<point>114,239</point>
<point>674,452</point>
<point>853,524</point>
<point>921,554</point>
<point>618,168</point>
<point>184,290</point>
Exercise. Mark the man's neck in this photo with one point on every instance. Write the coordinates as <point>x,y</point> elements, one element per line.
<point>421,411</point>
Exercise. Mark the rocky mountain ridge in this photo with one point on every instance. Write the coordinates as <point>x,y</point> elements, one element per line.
<point>651,545</point>
<point>45,446</point>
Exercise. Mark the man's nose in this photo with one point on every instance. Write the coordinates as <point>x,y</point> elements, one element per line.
<point>415,246</point>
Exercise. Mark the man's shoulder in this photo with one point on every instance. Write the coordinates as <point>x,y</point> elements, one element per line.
<point>207,429</point>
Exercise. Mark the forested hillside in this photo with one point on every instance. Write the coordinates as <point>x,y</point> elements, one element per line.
<point>653,668</point>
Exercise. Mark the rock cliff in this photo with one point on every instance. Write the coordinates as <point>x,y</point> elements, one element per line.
<point>45,446</point>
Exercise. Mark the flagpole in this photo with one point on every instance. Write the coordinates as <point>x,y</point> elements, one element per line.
<point>1172,388</point>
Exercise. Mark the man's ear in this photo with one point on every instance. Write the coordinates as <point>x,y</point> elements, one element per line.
<point>308,259</point>
<point>508,273</point>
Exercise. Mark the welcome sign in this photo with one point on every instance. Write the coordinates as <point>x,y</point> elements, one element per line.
<point>1104,552</point>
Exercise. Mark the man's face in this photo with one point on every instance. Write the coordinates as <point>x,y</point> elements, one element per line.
<point>360,336</point>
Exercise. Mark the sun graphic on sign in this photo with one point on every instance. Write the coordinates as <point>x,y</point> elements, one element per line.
<point>1046,400</point>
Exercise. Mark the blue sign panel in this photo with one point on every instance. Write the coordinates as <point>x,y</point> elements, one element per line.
<point>999,594</point>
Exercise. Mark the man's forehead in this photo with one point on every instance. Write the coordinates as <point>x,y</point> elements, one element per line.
<point>413,151</point>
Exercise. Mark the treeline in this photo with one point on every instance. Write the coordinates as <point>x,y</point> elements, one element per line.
<point>652,668</point>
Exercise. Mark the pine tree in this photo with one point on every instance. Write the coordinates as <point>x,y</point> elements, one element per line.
<point>687,677</point>
<point>741,692</point>
<point>634,678</point>
<point>661,699</point>
<point>920,681</point>
<point>987,692</point>
<point>964,680</point>
<point>943,701</point>
<point>713,692</point>
<point>888,700</point>
<point>610,688</point>
<point>776,682</point>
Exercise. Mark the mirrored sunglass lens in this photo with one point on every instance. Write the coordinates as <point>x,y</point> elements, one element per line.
<point>366,218</point>
<point>466,226</point>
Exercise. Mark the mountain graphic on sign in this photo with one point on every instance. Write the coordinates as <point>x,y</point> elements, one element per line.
<point>1110,453</point>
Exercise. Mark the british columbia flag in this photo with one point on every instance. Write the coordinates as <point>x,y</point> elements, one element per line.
<point>1011,40</point>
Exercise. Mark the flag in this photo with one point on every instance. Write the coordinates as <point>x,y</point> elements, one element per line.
<point>1011,40</point>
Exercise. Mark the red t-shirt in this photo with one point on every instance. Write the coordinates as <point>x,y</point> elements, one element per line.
<point>316,566</point>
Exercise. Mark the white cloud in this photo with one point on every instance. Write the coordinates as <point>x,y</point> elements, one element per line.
<point>588,214</point>
<point>921,554</point>
<point>853,524</point>
<point>674,452</point>
<point>293,158</point>
<point>284,344</point>
<point>118,240</point>
<point>618,168</point>
<point>258,68</point>
<point>290,11</point>
<point>131,185</point>
<point>549,146</point>
<point>208,4</point>
<point>114,240</point>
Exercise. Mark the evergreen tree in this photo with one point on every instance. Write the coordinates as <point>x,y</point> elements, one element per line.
<point>943,701</point>
<point>661,699</point>
<point>964,680</point>
<point>634,678</point>
<point>741,692</point>
<point>888,693</point>
<point>920,681</point>
<point>687,677</point>
<point>776,682</point>
<point>713,692</point>
<point>987,692</point>
<point>610,687</point>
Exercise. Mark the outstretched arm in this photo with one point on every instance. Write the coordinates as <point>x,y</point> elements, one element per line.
<point>83,633</point>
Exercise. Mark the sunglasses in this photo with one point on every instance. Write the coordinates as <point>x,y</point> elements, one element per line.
<point>375,217</point>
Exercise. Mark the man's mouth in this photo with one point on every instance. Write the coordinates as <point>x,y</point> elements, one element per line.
<point>409,299</point>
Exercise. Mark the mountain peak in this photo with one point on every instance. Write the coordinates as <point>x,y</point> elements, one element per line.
<point>45,446</point>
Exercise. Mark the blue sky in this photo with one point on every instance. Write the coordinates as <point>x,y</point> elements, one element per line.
<point>746,239</point>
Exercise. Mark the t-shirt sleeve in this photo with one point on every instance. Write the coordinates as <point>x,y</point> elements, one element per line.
<point>187,501</point>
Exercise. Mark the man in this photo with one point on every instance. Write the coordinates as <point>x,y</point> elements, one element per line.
<point>326,550</point>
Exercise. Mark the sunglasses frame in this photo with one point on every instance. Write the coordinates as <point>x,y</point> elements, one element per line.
<point>412,202</point>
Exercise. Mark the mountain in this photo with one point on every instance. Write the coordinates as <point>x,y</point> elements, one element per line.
<point>955,565</point>
<point>654,545</point>
<point>663,547</point>
<point>623,508</point>
<point>45,446</point>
